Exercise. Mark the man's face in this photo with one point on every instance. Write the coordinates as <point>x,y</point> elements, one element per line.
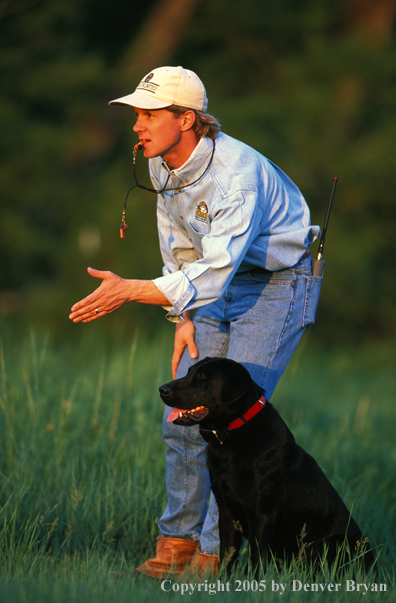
<point>160,134</point>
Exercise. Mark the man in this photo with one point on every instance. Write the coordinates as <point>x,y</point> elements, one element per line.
<point>234,232</point>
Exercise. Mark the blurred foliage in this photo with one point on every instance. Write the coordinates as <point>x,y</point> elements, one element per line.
<point>293,79</point>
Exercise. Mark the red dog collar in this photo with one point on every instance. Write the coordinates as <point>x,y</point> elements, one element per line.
<point>221,435</point>
<point>253,410</point>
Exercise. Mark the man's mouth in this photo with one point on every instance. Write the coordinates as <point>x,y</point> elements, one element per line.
<point>195,414</point>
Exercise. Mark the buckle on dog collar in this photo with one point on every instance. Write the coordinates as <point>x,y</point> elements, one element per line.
<point>211,436</point>
<point>221,435</point>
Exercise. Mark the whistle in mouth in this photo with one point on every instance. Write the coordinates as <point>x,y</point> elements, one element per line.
<point>123,228</point>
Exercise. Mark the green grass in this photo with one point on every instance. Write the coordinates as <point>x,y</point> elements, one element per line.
<point>82,462</point>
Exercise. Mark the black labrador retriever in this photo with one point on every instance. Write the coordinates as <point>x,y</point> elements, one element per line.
<point>267,488</point>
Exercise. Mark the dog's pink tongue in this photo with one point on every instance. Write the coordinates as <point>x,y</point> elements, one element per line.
<point>174,414</point>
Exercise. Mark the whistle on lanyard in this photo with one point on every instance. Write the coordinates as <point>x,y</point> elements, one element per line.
<point>123,228</point>
<point>124,225</point>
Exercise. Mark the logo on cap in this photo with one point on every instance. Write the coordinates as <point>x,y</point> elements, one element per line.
<point>146,86</point>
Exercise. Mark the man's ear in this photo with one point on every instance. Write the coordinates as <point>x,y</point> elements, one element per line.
<point>187,120</point>
<point>237,383</point>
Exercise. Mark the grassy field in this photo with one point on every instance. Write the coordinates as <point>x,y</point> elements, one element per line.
<point>82,465</point>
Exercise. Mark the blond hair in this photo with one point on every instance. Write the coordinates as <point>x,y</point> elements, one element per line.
<point>204,125</point>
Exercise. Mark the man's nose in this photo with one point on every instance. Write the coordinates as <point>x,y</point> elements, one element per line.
<point>138,127</point>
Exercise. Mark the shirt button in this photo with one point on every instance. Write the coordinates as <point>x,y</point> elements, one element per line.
<point>181,217</point>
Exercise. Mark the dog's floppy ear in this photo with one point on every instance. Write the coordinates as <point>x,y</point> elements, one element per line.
<point>236,384</point>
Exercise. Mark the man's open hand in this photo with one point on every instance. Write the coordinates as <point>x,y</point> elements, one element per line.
<point>109,296</point>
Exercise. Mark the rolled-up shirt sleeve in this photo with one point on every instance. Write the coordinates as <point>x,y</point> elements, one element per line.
<point>190,284</point>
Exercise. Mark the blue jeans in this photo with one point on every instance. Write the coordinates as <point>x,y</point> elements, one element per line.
<point>258,322</point>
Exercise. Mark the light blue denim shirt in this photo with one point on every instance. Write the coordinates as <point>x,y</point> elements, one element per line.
<point>244,213</point>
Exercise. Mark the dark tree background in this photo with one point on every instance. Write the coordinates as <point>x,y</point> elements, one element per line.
<point>310,84</point>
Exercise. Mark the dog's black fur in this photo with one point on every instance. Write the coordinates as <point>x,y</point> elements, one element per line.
<point>267,488</point>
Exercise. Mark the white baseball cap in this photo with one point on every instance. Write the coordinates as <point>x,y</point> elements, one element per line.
<point>167,86</point>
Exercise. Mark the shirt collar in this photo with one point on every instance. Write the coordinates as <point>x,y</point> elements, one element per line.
<point>194,164</point>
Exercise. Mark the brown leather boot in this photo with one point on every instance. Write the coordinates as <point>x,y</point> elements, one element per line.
<point>172,556</point>
<point>203,565</point>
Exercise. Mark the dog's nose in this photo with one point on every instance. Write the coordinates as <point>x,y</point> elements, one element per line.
<point>165,391</point>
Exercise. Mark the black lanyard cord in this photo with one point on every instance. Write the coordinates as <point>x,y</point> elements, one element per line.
<point>123,226</point>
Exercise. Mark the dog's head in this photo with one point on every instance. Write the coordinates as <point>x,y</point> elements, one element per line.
<point>213,388</point>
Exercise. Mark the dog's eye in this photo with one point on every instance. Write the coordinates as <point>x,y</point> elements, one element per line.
<point>201,376</point>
